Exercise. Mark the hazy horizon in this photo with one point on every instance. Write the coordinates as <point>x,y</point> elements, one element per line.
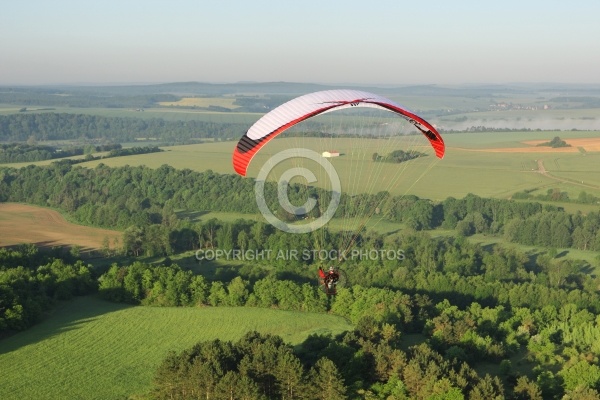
<point>68,42</point>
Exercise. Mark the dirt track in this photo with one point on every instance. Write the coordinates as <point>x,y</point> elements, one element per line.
<point>21,223</point>
<point>542,170</point>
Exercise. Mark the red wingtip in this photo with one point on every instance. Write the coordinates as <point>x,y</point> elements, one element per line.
<point>240,163</point>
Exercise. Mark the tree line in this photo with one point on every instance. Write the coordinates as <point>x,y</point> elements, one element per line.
<point>129,197</point>
<point>20,152</point>
<point>557,195</point>
<point>64,126</point>
<point>80,98</point>
<point>398,156</point>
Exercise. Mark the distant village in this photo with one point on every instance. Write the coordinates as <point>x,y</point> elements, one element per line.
<point>510,106</point>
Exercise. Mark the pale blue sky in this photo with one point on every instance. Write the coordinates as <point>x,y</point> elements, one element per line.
<point>374,42</point>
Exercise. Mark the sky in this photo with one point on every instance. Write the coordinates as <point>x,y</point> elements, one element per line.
<point>387,42</point>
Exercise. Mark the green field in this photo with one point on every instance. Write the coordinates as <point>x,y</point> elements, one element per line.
<point>462,171</point>
<point>89,348</point>
<point>470,165</point>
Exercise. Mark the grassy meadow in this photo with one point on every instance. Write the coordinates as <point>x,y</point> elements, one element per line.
<point>486,164</point>
<point>90,348</point>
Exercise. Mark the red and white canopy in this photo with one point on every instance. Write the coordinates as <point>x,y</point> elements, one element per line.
<point>301,108</point>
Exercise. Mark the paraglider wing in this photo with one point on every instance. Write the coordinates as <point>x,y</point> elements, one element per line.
<point>304,107</point>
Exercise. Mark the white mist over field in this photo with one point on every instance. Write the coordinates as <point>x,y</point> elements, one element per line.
<point>559,124</point>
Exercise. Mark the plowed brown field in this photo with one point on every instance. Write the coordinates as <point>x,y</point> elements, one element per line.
<point>21,223</point>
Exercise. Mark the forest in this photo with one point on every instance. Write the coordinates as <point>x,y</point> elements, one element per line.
<point>146,200</point>
<point>21,152</point>
<point>63,126</point>
<point>540,329</point>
